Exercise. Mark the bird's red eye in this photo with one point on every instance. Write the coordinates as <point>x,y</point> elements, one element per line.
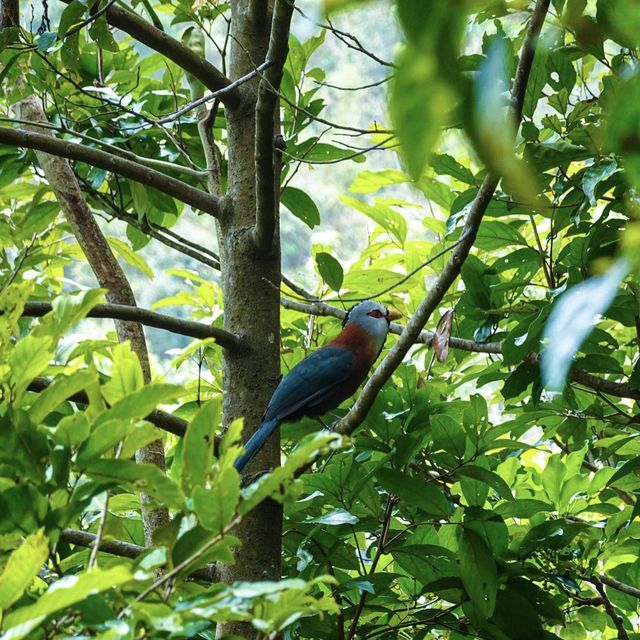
<point>376,313</point>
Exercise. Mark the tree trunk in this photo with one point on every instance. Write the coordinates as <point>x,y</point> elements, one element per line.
<point>250,283</point>
<point>109,275</point>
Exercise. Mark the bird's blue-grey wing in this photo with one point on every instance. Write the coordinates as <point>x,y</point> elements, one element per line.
<point>310,381</point>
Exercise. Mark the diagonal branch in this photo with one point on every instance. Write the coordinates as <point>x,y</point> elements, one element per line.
<point>149,318</point>
<point>145,32</point>
<point>97,158</point>
<point>453,266</point>
<point>265,126</point>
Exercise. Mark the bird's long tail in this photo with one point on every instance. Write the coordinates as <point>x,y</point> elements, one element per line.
<point>255,443</point>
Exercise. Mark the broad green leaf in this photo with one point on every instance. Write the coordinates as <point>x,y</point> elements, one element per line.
<point>553,478</point>
<point>216,506</point>
<point>414,492</point>
<point>143,477</point>
<point>571,320</point>
<point>131,257</point>
<point>446,165</point>
<point>63,594</point>
<point>478,573</point>
<point>448,435</point>
<point>330,270</point>
<point>197,451</point>
<point>522,508</point>
<point>301,205</point>
<point>594,175</point>
<point>488,477</point>
<point>22,567</point>
<point>371,181</point>
<point>27,360</point>
<point>62,388</point>
<point>141,402</point>
<point>628,467</point>
<point>71,15</point>
<point>126,374</point>
<point>99,31</point>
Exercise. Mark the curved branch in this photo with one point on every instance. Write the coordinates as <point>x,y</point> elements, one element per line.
<point>97,158</point>
<point>150,319</point>
<point>161,419</point>
<point>265,126</point>
<point>453,266</point>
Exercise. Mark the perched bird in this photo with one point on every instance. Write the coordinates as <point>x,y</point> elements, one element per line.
<point>326,377</point>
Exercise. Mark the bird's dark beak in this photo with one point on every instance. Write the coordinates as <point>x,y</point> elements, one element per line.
<point>393,315</point>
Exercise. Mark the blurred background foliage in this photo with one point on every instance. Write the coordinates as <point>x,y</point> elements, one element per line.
<point>475,501</point>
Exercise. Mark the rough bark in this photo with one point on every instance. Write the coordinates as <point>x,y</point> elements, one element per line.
<point>250,281</point>
<point>109,275</point>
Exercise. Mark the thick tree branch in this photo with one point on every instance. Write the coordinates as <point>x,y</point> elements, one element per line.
<point>265,126</point>
<point>150,319</point>
<point>127,550</point>
<point>453,266</point>
<point>145,32</point>
<point>161,419</point>
<point>176,188</point>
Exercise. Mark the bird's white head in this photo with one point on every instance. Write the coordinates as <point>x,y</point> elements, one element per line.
<point>373,317</point>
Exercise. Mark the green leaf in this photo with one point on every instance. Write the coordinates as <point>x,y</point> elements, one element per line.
<point>197,451</point>
<point>140,403</point>
<point>571,320</point>
<point>414,492</point>
<point>142,477</point>
<point>100,33</point>
<point>448,435</point>
<point>22,567</point>
<point>478,573</point>
<point>447,165</point>
<point>372,181</point>
<point>61,388</point>
<point>336,517</point>
<point>330,270</point>
<point>63,594</point>
<point>217,506</point>
<point>488,477</point>
<point>301,205</point>
<point>126,374</point>
<point>71,16</point>
<point>594,175</point>
<point>27,360</point>
<point>131,257</point>
<point>628,467</point>
<point>522,508</point>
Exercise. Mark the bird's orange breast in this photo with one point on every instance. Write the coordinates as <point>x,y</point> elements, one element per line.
<point>357,340</point>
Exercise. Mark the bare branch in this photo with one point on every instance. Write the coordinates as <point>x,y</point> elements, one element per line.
<point>97,158</point>
<point>265,126</point>
<point>150,319</point>
<point>216,94</point>
<point>611,612</point>
<point>126,550</point>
